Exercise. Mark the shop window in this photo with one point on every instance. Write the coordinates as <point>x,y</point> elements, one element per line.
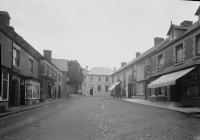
<point>179,53</point>
<point>15,57</point>
<point>140,89</point>
<point>4,86</point>
<point>160,61</point>
<point>198,44</point>
<point>30,66</point>
<point>32,90</point>
<point>99,88</point>
<point>106,78</point>
<point>192,91</point>
<point>106,88</point>
<point>162,91</point>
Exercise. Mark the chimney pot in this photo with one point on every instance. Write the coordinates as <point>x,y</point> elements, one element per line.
<point>138,54</point>
<point>47,54</point>
<point>4,19</point>
<point>158,40</point>
<point>186,23</point>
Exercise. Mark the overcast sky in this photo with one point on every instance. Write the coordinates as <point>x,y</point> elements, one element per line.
<point>96,32</point>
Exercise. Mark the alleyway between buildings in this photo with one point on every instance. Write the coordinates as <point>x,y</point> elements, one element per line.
<point>99,118</point>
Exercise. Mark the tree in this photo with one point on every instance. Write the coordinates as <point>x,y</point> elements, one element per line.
<point>75,74</point>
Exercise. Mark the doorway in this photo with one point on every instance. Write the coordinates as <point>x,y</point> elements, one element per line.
<point>15,94</point>
<point>91,91</point>
<point>22,92</point>
<point>130,90</point>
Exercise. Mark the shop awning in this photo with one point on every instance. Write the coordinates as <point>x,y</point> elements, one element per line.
<point>113,86</point>
<point>168,79</point>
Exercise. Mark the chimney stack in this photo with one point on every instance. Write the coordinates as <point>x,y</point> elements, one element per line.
<point>47,54</point>
<point>158,40</point>
<point>4,19</point>
<point>137,54</point>
<point>186,23</point>
<point>123,64</point>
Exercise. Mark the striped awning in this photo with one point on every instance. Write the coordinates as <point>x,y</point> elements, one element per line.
<point>169,79</point>
<point>113,86</point>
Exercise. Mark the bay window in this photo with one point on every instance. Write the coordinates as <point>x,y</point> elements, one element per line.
<point>4,86</point>
<point>32,90</point>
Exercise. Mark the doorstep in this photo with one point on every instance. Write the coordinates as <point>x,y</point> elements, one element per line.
<point>166,105</point>
<point>18,109</point>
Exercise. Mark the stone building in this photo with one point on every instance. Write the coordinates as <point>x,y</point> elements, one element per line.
<point>19,65</point>
<point>51,78</point>
<point>169,70</point>
<point>97,82</point>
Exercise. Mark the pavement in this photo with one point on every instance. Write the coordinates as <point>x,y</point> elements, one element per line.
<point>99,118</point>
<point>18,109</point>
<point>166,105</point>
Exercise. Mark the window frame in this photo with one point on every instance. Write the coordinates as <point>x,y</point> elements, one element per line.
<point>196,45</point>
<point>16,61</point>
<point>159,65</point>
<point>178,60</point>
<point>2,82</point>
<point>30,61</point>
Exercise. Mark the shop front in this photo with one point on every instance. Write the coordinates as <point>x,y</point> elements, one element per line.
<point>191,88</point>
<point>32,92</point>
<point>171,87</point>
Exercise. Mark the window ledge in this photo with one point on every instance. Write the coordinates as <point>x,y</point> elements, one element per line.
<point>179,63</point>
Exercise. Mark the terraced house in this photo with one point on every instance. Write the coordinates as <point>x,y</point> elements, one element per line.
<point>170,70</point>
<point>19,67</point>
<point>27,77</point>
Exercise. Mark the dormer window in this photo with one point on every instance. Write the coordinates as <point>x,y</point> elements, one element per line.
<point>198,44</point>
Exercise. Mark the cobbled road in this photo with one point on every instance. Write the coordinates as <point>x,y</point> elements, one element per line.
<point>99,118</point>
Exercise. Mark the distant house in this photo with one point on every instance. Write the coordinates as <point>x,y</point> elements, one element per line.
<point>97,81</point>
<point>62,64</point>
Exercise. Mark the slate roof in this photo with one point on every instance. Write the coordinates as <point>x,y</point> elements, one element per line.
<point>100,71</point>
<point>62,64</point>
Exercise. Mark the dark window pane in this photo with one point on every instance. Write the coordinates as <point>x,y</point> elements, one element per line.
<point>5,89</point>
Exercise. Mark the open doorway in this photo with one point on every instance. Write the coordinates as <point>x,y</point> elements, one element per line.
<point>91,91</point>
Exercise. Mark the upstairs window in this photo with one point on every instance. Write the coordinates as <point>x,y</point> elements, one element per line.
<point>15,57</point>
<point>91,78</point>
<point>99,79</point>
<point>106,78</point>
<point>160,61</point>
<point>30,66</point>
<point>179,53</point>
<point>198,44</point>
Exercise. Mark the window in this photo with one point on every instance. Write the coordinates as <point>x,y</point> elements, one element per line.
<point>47,67</point>
<point>160,61</point>
<point>106,88</point>
<point>99,79</point>
<point>15,57</point>
<point>99,88</point>
<point>32,90</point>
<point>106,78</point>
<point>4,86</point>
<point>179,53</point>
<point>192,91</point>
<point>30,66</point>
<point>91,78</point>
<point>198,44</point>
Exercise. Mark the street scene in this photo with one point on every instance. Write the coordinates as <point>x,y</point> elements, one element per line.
<point>100,70</point>
<point>99,118</point>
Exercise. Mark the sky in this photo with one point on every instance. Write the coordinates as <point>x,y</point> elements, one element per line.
<point>96,33</point>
